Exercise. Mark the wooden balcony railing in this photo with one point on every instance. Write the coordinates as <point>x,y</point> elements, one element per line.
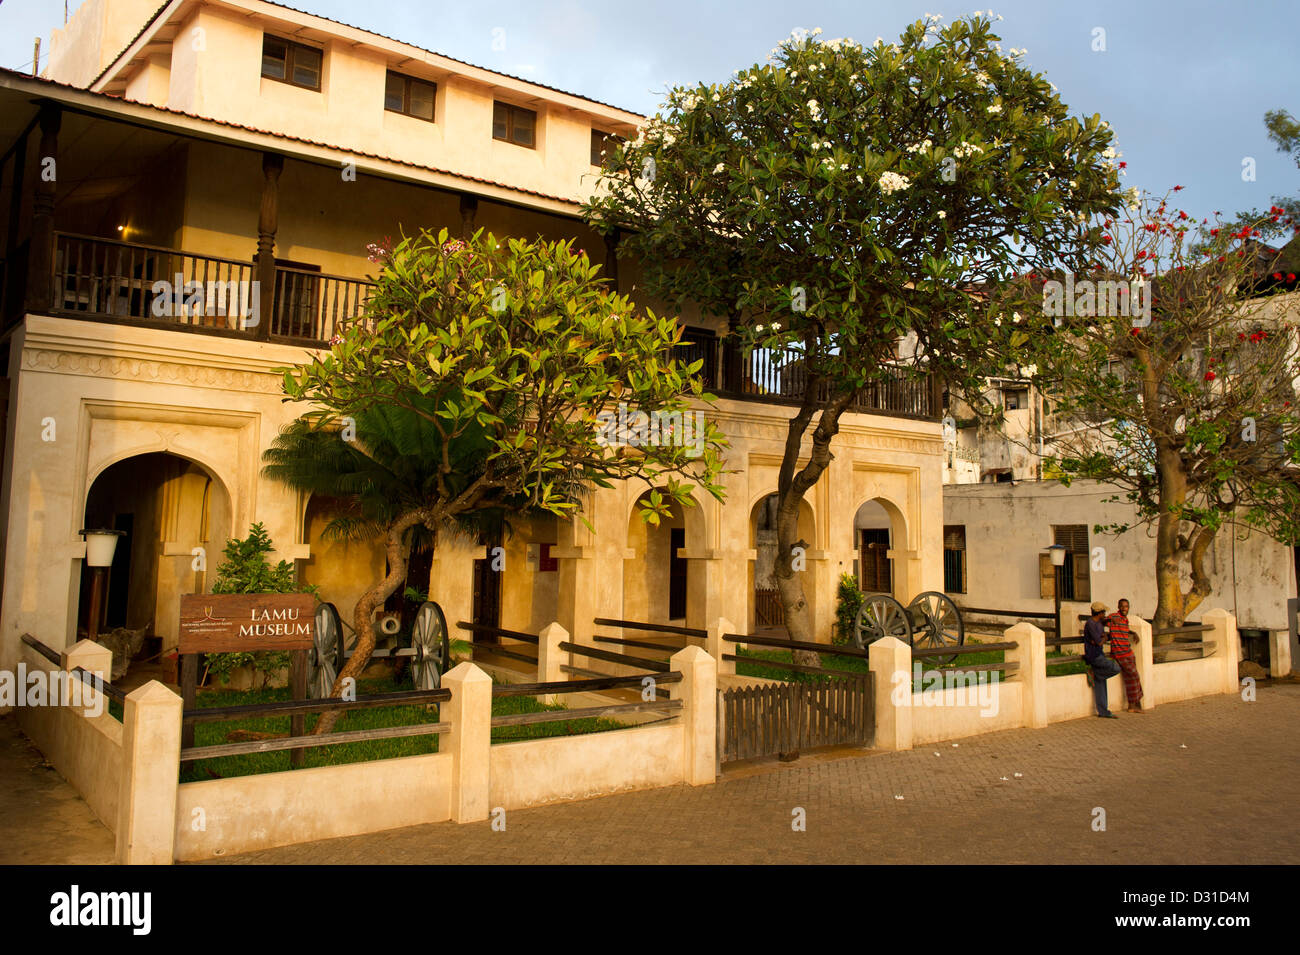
<point>780,375</point>
<point>127,281</point>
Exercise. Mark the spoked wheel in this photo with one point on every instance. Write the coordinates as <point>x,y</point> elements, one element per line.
<point>325,658</point>
<point>937,623</point>
<point>880,616</point>
<point>432,646</point>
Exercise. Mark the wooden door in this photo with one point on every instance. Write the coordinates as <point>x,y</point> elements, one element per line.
<point>676,574</point>
<point>876,567</point>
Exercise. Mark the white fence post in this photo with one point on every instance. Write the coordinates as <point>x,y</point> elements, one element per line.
<point>550,657</point>
<point>698,691</point>
<point>469,711</point>
<point>717,646</point>
<point>891,666</point>
<point>1031,654</point>
<point>1279,653</point>
<point>151,750</point>
<point>1144,654</point>
<point>1227,647</point>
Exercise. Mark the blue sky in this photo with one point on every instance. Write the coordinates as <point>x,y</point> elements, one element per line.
<point>1184,83</point>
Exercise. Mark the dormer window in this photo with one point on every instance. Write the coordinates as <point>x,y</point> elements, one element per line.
<point>514,124</point>
<point>406,94</point>
<point>290,62</point>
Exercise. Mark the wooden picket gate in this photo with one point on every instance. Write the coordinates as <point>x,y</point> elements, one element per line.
<point>782,719</point>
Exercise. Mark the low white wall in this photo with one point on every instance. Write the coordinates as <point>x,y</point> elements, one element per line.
<point>86,750</point>
<point>226,816</point>
<point>536,772</point>
<point>951,714</point>
<point>1186,679</point>
<point>1070,698</point>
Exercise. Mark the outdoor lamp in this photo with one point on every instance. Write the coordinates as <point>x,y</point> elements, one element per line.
<point>100,545</point>
<point>1057,552</point>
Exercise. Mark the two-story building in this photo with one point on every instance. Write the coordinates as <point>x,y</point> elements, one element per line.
<point>240,141</point>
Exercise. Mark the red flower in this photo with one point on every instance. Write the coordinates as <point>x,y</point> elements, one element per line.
<point>1290,276</point>
<point>1123,165</point>
<point>1214,232</point>
<point>1278,276</point>
<point>1209,376</point>
<point>1135,331</point>
<point>1178,188</point>
<point>1241,336</point>
<point>1105,239</point>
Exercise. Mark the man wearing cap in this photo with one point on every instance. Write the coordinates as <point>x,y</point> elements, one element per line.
<point>1103,668</point>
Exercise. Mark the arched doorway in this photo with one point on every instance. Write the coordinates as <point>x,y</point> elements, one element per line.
<point>765,610</point>
<point>878,535</point>
<point>660,583</point>
<point>176,517</point>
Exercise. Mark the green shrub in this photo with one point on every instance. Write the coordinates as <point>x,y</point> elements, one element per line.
<point>848,600</point>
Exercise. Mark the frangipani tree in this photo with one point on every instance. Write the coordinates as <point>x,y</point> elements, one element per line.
<point>1172,379</point>
<point>841,196</point>
<point>506,357</point>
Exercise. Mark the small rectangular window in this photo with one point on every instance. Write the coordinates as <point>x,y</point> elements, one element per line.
<point>406,94</point>
<point>954,558</point>
<point>514,124</point>
<point>1076,576</point>
<point>290,62</point>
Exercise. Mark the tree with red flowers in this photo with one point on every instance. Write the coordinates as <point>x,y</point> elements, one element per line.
<point>1173,379</point>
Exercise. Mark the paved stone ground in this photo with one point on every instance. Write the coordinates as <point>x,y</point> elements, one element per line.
<point>1227,797</point>
<point>1205,781</point>
<point>42,819</point>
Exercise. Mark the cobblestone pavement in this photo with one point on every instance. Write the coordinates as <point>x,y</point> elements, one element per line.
<point>1204,781</point>
<point>42,818</point>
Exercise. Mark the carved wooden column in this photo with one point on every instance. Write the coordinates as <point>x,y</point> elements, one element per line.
<point>468,210</point>
<point>40,262</point>
<point>267,222</point>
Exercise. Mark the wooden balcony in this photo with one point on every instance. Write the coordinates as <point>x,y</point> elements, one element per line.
<point>779,376</point>
<point>129,283</point>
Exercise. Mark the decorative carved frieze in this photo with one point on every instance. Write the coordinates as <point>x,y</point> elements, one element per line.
<point>165,372</point>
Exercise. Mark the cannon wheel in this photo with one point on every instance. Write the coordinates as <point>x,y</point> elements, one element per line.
<point>432,646</point>
<point>880,616</point>
<point>325,658</point>
<point>936,622</point>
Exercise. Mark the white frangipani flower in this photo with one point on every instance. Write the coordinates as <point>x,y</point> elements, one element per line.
<point>891,182</point>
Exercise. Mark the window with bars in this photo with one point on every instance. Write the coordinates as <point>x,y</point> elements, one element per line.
<point>1075,574</point>
<point>290,62</point>
<point>406,94</point>
<point>514,124</point>
<point>954,558</point>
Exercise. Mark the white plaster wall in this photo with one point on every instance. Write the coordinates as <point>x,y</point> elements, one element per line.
<point>1008,527</point>
<point>246,813</point>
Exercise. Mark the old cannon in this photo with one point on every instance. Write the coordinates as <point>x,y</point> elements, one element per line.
<point>930,621</point>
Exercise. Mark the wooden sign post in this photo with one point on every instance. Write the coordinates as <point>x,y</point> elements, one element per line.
<point>228,623</point>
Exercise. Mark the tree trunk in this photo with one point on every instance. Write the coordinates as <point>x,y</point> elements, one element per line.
<point>1169,547</point>
<point>791,488</point>
<point>396,554</point>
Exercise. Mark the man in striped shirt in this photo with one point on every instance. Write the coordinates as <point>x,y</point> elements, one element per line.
<point>1121,651</point>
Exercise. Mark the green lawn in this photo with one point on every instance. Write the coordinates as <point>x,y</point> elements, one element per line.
<point>207,734</point>
<point>859,664</point>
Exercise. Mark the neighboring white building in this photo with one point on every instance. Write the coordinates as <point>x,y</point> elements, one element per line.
<point>998,533</point>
